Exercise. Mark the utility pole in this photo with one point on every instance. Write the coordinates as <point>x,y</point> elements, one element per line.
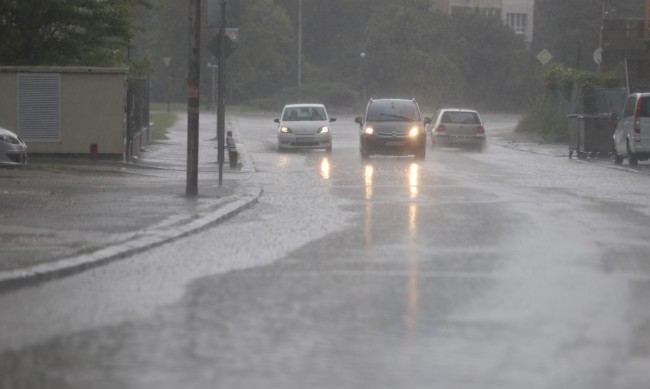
<point>299,51</point>
<point>221,111</point>
<point>194,75</point>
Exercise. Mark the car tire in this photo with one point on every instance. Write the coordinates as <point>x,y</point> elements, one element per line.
<point>633,160</point>
<point>328,150</point>
<point>420,154</point>
<point>364,153</point>
<point>618,160</point>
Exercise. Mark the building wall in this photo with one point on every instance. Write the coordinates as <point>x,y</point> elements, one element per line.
<point>496,7</point>
<point>91,110</point>
<point>520,7</point>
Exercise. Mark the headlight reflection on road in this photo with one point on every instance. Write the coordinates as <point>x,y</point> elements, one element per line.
<point>325,169</point>
<point>369,171</point>
<point>412,289</point>
<point>414,179</point>
<point>367,220</point>
<point>283,162</point>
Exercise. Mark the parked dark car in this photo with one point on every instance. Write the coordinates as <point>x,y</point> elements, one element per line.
<point>392,127</point>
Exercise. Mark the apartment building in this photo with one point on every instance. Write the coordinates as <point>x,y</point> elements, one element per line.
<point>518,14</point>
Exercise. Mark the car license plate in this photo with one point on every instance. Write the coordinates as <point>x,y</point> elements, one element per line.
<point>394,143</point>
<point>305,139</point>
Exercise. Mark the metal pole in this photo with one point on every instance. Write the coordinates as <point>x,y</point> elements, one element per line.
<point>221,112</point>
<point>193,78</point>
<point>299,51</point>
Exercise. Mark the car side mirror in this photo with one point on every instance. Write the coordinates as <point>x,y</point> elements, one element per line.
<point>332,120</point>
<point>427,120</point>
<point>276,120</point>
<point>358,120</point>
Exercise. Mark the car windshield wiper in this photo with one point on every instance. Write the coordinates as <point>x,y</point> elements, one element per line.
<point>396,116</point>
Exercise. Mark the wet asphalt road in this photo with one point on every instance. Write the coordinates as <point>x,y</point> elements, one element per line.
<point>501,269</point>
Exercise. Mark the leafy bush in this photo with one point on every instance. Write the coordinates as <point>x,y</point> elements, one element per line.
<point>545,122</point>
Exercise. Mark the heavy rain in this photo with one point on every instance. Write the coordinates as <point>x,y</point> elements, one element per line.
<point>356,194</point>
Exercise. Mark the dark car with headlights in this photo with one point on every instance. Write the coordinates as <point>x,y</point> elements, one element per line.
<point>13,151</point>
<point>392,127</point>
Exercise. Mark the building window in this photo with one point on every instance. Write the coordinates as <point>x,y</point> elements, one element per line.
<point>517,22</point>
<point>39,107</point>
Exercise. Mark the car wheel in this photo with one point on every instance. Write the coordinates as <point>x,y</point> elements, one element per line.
<point>328,149</point>
<point>618,160</point>
<point>364,153</point>
<point>421,153</point>
<point>634,161</point>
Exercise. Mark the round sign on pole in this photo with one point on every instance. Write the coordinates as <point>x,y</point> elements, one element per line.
<point>598,55</point>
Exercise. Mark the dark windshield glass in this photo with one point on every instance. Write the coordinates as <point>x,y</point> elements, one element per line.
<point>392,110</point>
<point>460,118</point>
<point>294,114</point>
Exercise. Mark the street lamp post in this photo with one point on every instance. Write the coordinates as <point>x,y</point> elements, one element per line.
<point>363,76</point>
<point>299,50</point>
<point>167,60</point>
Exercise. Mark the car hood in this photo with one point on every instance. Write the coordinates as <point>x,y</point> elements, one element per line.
<point>4,131</point>
<point>309,127</point>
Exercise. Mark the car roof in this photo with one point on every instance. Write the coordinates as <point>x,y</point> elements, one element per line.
<point>304,105</point>
<point>458,110</point>
<point>375,100</point>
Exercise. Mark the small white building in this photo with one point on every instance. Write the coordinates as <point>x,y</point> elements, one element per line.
<point>518,14</point>
<point>66,110</point>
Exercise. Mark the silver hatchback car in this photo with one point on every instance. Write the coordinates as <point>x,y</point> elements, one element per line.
<point>304,126</point>
<point>453,126</point>
<point>13,151</point>
<point>632,134</point>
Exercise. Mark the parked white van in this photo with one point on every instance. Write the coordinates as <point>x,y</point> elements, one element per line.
<point>632,134</point>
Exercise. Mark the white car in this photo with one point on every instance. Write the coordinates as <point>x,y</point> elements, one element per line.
<point>13,151</point>
<point>304,126</point>
<point>453,126</point>
<point>632,134</point>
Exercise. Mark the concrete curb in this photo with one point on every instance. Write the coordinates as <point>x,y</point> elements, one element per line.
<point>225,209</point>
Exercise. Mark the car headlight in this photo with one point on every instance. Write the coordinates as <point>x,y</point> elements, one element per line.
<point>285,130</point>
<point>369,130</point>
<point>323,130</point>
<point>9,139</point>
<point>414,131</point>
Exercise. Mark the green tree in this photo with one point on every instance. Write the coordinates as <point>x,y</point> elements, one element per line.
<point>66,32</point>
<point>264,60</point>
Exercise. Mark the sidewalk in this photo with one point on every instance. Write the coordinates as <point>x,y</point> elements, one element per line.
<point>62,216</point>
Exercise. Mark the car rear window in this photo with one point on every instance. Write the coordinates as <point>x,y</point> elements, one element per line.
<point>295,114</point>
<point>460,118</point>
<point>391,110</point>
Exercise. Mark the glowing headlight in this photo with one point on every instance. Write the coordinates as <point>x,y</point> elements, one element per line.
<point>323,130</point>
<point>414,131</point>
<point>285,130</point>
<point>369,131</point>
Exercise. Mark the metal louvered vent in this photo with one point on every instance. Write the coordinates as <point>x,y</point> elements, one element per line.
<point>39,106</point>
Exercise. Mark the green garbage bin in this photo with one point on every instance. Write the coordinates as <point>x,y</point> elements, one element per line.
<point>590,136</point>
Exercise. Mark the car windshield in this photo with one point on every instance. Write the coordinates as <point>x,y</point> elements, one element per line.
<point>379,111</point>
<point>460,118</point>
<point>295,114</point>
